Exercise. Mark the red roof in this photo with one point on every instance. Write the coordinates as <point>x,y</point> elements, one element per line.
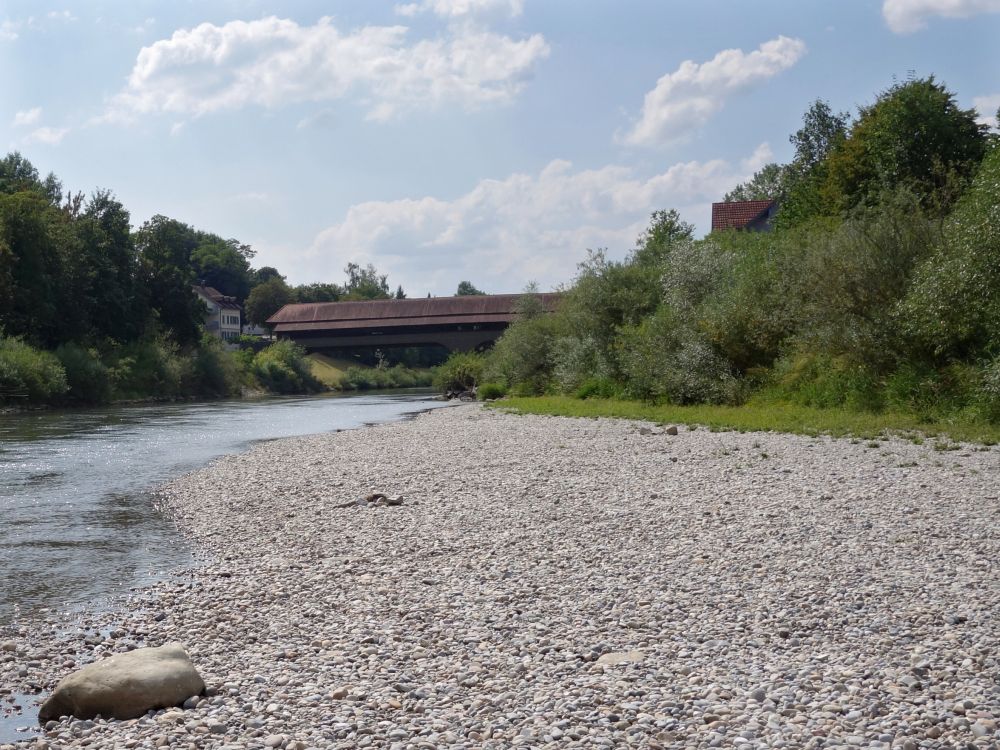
<point>487,308</point>
<point>210,292</point>
<point>737,215</point>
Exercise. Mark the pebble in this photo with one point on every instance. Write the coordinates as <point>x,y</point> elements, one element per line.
<point>825,595</point>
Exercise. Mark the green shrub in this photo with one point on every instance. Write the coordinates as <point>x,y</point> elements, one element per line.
<point>577,360</point>
<point>822,381</point>
<point>599,388</point>
<point>29,374</point>
<point>252,343</point>
<point>283,368</point>
<point>524,357</point>
<point>88,379</point>
<point>490,391</point>
<point>462,371</point>
<point>953,308</point>
<point>988,397</point>
<point>371,378</point>
<point>936,393</point>
<point>364,379</point>
<point>148,368</point>
<point>214,370</point>
<point>664,360</point>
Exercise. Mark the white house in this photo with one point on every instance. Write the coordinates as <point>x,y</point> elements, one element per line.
<point>223,317</point>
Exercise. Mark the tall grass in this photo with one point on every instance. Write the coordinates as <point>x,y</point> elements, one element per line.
<point>28,375</point>
<point>763,417</point>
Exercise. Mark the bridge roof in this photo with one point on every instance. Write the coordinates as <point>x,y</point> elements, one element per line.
<point>466,310</point>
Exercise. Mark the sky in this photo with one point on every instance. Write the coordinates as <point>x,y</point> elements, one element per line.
<point>493,141</point>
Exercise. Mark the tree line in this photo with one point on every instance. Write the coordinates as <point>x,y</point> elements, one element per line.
<point>878,288</point>
<point>92,309</point>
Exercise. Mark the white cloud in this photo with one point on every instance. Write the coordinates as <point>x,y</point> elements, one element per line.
<point>761,155</point>
<point>48,136</point>
<point>272,62</point>
<point>504,233</point>
<point>11,29</point>
<point>325,118</point>
<point>27,117</point>
<point>462,8</point>
<point>907,16</point>
<point>144,27</point>
<point>685,99</point>
<point>987,107</point>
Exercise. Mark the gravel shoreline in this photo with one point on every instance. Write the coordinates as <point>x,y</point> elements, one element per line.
<point>552,582</point>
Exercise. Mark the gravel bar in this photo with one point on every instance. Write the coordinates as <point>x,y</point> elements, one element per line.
<point>560,583</point>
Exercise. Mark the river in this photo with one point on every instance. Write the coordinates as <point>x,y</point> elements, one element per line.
<point>78,522</point>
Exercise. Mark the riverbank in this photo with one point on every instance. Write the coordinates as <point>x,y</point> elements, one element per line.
<point>553,582</point>
<point>768,417</point>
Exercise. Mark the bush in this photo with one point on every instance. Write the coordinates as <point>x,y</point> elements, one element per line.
<point>953,308</point>
<point>29,374</point>
<point>371,378</point>
<point>853,278</point>
<point>283,368</point>
<point>822,381</point>
<point>989,391</point>
<point>490,391</point>
<point>148,368</point>
<point>462,371</point>
<point>523,358</point>
<point>88,379</point>
<point>576,360</point>
<point>364,379</point>
<point>936,393</point>
<point>252,343</point>
<point>214,370</point>
<point>599,388</point>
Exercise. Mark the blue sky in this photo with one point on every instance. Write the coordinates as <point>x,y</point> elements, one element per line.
<point>441,140</point>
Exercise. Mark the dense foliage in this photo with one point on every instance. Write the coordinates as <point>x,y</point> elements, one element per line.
<point>878,289</point>
<point>92,311</point>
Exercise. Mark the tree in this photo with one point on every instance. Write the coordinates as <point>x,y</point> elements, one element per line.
<point>365,283</point>
<point>165,247</point>
<point>266,299</point>
<point>795,186</point>
<point>665,230</point>
<point>34,240</point>
<point>223,265</point>
<point>317,292</point>
<point>822,131</point>
<point>466,289</point>
<point>264,273</point>
<point>913,136</point>
<point>17,174</point>
<point>105,271</point>
<point>769,183</point>
<point>400,294</point>
<point>952,309</point>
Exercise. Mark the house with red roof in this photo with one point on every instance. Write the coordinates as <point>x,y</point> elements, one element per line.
<point>751,216</point>
<point>223,315</point>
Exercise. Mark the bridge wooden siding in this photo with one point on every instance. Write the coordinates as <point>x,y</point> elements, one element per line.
<point>457,323</point>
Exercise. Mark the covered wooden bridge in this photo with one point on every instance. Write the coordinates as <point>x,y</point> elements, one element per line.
<point>457,323</point>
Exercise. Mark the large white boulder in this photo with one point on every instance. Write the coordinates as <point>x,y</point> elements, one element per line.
<point>125,686</point>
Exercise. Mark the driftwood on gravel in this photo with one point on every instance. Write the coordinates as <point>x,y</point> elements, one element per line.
<point>374,500</point>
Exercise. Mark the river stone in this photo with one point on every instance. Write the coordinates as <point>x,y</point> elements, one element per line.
<point>620,657</point>
<point>125,686</point>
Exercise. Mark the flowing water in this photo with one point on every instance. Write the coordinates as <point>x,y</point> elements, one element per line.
<point>77,517</point>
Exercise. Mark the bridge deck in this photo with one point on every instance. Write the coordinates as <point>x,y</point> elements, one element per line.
<point>446,320</point>
<point>434,311</point>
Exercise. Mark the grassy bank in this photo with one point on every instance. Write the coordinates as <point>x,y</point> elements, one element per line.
<point>778,417</point>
